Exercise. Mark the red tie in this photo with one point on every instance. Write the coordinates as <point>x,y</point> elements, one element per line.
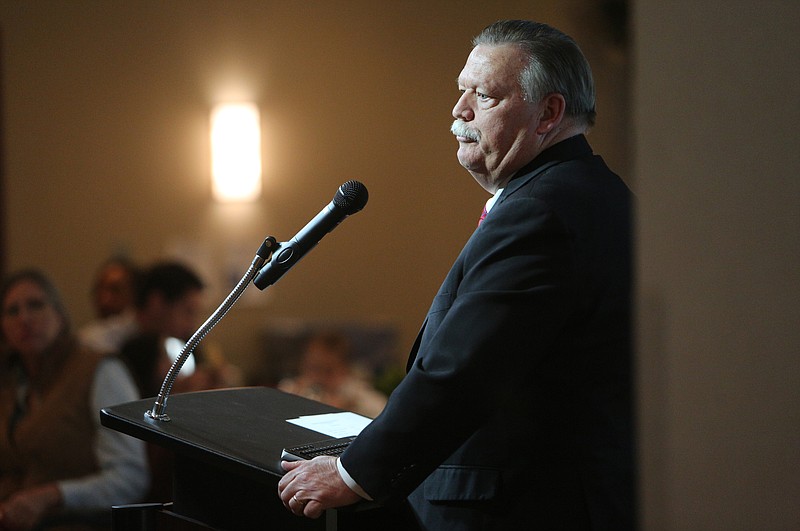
<point>483,216</point>
<point>485,211</point>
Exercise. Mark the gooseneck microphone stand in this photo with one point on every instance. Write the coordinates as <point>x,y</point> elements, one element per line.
<point>349,199</point>
<point>262,256</point>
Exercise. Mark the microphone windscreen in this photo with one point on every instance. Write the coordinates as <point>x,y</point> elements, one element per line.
<point>351,197</point>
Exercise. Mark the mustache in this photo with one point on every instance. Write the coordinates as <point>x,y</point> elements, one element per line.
<point>460,128</point>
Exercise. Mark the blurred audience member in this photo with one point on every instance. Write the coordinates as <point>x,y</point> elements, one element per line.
<point>55,458</point>
<point>327,375</point>
<point>169,306</point>
<point>114,287</point>
<point>113,295</point>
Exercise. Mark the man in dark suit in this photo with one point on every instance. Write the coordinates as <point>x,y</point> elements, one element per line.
<point>516,409</point>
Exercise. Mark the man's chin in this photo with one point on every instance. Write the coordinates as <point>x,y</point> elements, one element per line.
<point>467,159</point>
<point>471,164</point>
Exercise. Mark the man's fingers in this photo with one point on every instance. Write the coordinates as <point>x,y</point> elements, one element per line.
<point>313,509</point>
<point>290,465</point>
<point>287,478</point>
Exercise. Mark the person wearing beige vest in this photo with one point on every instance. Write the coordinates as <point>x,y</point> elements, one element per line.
<point>56,463</point>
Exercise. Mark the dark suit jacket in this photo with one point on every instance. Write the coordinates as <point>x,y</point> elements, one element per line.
<point>516,409</point>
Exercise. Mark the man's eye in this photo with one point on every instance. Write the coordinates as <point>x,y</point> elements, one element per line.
<point>481,96</point>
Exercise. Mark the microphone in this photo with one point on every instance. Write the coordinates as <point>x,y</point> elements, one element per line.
<point>349,199</point>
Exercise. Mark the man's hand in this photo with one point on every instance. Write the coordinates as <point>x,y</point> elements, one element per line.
<point>310,487</point>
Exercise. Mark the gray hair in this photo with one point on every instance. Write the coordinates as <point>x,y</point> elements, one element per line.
<point>556,64</point>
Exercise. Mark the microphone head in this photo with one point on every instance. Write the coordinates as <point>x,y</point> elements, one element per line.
<point>351,197</point>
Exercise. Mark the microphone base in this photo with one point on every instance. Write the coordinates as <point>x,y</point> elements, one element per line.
<point>157,413</point>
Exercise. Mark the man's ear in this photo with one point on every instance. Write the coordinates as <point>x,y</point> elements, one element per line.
<point>552,108</point>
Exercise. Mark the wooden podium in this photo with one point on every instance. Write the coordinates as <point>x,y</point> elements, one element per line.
<point>227,446</point>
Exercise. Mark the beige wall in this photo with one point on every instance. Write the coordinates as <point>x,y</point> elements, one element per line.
<point>717,166</point>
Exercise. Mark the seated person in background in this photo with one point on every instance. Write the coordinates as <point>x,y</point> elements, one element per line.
<point>55,458</point>
<point>326,375</point>
<point>113,294</point>
<point>169,304</point>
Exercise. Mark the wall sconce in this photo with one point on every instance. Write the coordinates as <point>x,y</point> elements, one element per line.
<point>236,152</point>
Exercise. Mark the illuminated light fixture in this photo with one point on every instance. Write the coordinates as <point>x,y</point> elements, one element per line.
<point>236,152</point>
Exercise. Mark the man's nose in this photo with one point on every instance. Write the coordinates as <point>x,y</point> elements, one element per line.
<point>463,109</point>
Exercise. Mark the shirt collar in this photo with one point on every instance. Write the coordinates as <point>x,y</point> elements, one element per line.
<point>492,200</point>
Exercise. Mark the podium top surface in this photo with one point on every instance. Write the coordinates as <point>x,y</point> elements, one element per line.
<point>242,430</point>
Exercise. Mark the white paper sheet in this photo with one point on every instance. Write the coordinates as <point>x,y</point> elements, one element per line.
<point>335,425</point>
